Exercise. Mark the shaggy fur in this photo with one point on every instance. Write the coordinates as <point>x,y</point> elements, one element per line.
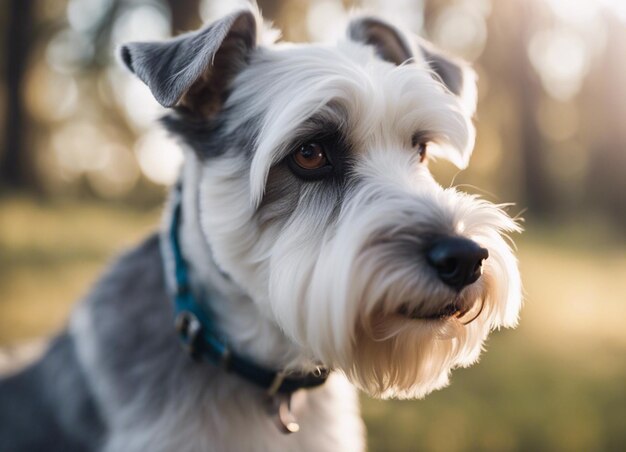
<point>298,273</point>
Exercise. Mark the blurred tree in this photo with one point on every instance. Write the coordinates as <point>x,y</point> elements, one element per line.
<point>606,177</point>
<point>185,15</point>
<point>17,169</point>
<point>511,81</point>
<point>526,88</point>
<point>82,34</point>
<point>270,8</point>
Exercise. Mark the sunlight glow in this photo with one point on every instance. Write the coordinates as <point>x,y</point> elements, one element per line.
<point>562,59</point>
<point>77,147</point>
<point>139,105</point>
<point>461,29</point>
<point>50,96</point>
<point>141,23</point>
<point>159,156</point>
<point>83,15</point>
<point>118,173</point>
<point>325,19</point>
<point>210,9</point>
<point>582,11</point>
<point>404,13</point>
<point>67,50</point>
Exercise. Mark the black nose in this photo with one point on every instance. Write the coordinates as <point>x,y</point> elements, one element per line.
<point>458,261</point>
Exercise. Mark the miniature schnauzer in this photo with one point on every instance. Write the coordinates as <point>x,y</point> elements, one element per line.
<point>306,251</point>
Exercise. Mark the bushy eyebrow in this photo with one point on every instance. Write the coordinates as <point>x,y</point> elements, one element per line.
<point>422,136</point>
<point>329,123</point>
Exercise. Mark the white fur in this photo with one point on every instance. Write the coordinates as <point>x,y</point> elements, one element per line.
<point>322,286</point>
<point>325,287</point>
<point>223,419</point>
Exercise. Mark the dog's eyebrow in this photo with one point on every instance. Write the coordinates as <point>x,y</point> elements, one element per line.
<point>330,120</point>
<point>329,129</point>
<point>423,136</point>
<point>318,127</point>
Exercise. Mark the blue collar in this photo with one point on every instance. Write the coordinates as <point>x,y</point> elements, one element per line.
<point>200,339</point>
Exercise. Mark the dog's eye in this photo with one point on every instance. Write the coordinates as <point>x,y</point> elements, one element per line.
<point>422,147</point>
<point>420,142</point>
<point>309,161</point>
<point>310,156</point>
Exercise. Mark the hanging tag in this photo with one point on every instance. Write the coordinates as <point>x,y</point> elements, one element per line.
<point>279,408</point>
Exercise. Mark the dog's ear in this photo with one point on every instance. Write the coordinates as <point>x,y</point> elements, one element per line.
<point>193,70</point>
<point>390,44</point>
<point>397,47</point>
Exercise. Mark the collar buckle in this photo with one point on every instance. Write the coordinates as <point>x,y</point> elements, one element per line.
<point>189,331</point>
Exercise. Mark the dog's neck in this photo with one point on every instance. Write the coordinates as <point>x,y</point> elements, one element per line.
<point>237,317</point>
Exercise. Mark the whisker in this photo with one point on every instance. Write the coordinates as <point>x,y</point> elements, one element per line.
<point>482,306</point>
<point>478,189</point>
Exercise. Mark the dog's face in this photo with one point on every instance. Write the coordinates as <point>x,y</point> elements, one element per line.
<point>316,198</point>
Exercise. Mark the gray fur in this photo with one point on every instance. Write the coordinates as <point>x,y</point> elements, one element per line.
<point>133,325</point>
<point>130,375</point>
<point>390,44</point>
<point>50,406</point>
<point>394,46</point>
<point>138,360</point>
<point>212,137</point>
<point>171,68</point>
<point>451,70</point>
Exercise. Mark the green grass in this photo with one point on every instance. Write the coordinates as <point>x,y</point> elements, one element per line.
<point>558,382</point>
<point>49,254</point>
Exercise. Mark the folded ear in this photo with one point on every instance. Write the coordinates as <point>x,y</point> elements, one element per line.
<point>394,46</point>
<point>193,70</point>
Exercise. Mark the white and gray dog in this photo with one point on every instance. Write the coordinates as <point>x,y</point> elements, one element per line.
<point>306,251</point>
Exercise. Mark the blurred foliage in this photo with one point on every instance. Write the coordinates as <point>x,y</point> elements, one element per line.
<point>51,251</point>
<point>551,114</point>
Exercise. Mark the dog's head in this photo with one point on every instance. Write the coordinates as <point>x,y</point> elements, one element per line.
<point>316,198</point>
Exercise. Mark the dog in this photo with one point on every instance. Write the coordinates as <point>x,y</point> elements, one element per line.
<point>306,252</point>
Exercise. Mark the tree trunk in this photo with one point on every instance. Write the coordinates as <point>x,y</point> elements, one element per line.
<point>17,169</point>
<point>606,176</point>
<point>506,60</point>
<point>185,15</point>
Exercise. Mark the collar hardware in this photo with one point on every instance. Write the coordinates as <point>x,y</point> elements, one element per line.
<point>201,340</point>
<point>279,409</point>
<point>189,329</point>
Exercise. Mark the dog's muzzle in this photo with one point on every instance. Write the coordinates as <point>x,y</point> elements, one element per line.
<point>457,261</point>
<point>457,264</point>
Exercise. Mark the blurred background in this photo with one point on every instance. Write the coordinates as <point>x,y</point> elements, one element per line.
<point>84,170</point>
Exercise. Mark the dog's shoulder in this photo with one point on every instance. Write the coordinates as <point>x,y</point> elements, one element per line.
<point>136,267</point>
<point>129,303</point>
<point>132,286</point>
<point>50,403</point>
<point>124,328</point>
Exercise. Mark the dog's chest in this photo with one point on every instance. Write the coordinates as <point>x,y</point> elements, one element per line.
<point>224,419</point>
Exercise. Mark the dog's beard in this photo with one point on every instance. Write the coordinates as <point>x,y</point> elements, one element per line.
<point>342,295</point>
<point>335,274</point>
<point>396,356</point>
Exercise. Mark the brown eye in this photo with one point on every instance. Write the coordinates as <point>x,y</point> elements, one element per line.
<point>421,149</point>
<point>310,156</point>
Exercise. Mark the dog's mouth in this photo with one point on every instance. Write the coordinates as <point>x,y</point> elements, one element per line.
<point>447,311</point>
